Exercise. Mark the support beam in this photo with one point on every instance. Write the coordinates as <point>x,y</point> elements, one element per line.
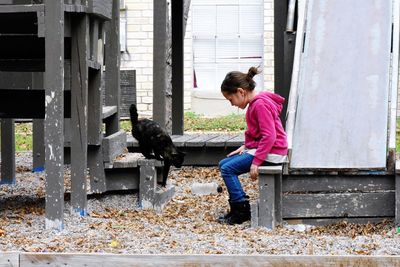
<point>112,60</point>
<point>177,66</point>
<point>79,107</point>
<point>7,151</point>
<point>160,41</point>
<point>54,120</point>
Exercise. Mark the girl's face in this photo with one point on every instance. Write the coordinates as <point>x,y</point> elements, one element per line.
<point>237,99</point>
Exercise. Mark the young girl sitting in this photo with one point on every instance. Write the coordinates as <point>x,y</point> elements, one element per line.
<point>265,139</point>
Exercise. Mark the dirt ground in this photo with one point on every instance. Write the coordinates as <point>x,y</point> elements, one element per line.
<point>187,225</point>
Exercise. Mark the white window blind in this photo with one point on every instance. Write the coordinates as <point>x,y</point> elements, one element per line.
<point>227,36</point>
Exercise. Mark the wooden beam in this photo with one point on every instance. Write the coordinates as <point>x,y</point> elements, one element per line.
<point>7,151</point>
<point>79,107</point>
<point>160,41</point>
<point>31,260</point>
<point>54,120</point>
<point>177,66</point>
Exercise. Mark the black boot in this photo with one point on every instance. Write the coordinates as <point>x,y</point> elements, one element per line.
<point>223,219</point>
<point>239,213</point>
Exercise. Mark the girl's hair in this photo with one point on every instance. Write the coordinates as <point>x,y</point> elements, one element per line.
<point>236,79</point>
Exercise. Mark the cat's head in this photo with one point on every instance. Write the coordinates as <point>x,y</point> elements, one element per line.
<point>177,158</point>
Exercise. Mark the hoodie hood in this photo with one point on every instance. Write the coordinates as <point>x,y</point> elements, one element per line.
<point>270,99</point>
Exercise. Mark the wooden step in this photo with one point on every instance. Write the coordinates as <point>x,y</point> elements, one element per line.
<point>131,160</point>
<point>108,111</point>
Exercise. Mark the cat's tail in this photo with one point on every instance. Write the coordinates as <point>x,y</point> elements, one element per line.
<point>134,114</point>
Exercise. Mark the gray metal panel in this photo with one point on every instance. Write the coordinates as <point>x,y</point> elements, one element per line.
<point>343,90</point>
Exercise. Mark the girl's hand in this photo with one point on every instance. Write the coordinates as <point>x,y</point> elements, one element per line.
<point>239,151</point>
<point>253,172</point>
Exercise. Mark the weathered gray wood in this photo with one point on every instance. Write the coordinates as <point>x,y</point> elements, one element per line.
<point>95,103</point>
<point>328,221</point>
<point>200,141</point>
<point>220,140</point>
<point>147,186</point>
<point>112,60</point>
<point>54,121</point>
<point>79,107</point>
<point>8,259</point>
<point>122,179</point>
<point>102,8</point>
<point>129,160</point>
<point>319,183</point>
<point>21,8</point>
<point>180,140</point>
<point>38,150</point>
<point>113,146</point>
<point>109,111</point>
<point>94,39</point>
<point>380,204</point>
<point>270,196</point>
<point>236,141</point>
<point>96,169</point>
<point>91,260</point>
<point>7,151</point>
<point>160,41</point>
<point>177,19</point>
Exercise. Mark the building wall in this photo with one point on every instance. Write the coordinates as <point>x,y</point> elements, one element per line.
<point>139,55</point>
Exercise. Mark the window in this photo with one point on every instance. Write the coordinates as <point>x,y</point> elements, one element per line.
<point>227,35</point>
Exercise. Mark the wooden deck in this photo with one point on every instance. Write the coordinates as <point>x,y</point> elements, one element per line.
<point>200,149</point>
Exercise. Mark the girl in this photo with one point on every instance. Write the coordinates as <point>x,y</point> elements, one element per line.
<point>265,139</point>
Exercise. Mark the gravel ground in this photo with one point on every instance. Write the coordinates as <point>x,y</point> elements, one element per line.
<point>187,224</point>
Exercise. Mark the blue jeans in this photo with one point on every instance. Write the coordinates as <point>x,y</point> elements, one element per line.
<point>230,168</point>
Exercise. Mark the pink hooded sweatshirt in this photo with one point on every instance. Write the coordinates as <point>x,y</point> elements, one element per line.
<point>264,127</point>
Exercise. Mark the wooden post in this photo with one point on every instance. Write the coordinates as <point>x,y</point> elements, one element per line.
<point>38,130</point>
<point>54,119</point>
<point>397,196</point>
<point>160,40</point>
<point>112,60</point>
<point>270,203</point>
<point>79,108</point>
<point>7,151</point>
<point>177,66</point>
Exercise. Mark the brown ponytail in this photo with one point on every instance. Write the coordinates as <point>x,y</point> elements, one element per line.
<point>236,79</point>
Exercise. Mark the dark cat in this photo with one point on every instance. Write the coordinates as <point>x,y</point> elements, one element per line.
<point>155,143</point>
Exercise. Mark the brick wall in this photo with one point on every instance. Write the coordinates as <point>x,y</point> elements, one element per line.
<point>139,56</point>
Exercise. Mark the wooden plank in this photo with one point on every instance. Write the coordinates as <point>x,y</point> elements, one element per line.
<point>54,120</point>
<point>7,151</point>
<point>236,141</point>
<point>94,39</point>
<point>21,8</point>
<point>129,160</point>
<point>38,150</point>
<point>112,62</point>
<point>180,140</point>
<point>8,259</point>
<point>220,140</point>
<point>122,179</point>
<point>113,146</point>
<point>109,111</point>
<point>95,103</point>
<point>131,141</point>
<point>91,260</point>
<point>79,106</point>
<point>379,204</point>
<point>200,140</point>
<point>177,19</point>
<point>96,169</point>
<point>160,41</point>
<point>128,92</point>
<point>270,169</point>
<point>319,183</point>
<point>147,186</point>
